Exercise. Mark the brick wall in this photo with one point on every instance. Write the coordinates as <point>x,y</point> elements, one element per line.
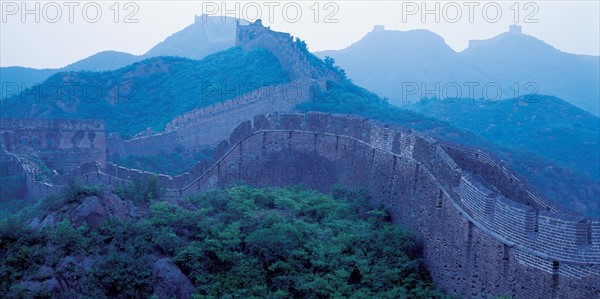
<point>290,54</point>
<point>207,126</point>
<point>60,143</point>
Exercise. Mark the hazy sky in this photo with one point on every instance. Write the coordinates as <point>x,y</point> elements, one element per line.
<point>65,32</point>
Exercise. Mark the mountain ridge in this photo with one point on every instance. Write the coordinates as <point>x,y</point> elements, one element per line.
<point>511,63</point>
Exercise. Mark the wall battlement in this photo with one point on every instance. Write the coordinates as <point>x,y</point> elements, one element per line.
<point>59,142</point>
<point>478,241</point>
<point>207,125</point>
<point>292,55</point>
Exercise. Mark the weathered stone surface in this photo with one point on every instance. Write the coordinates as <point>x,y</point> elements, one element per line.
<point>240,132</point>
<point>43,273</point>
<point>169,282</point>
<point>62,143</point>
<point>49,287</point>
<point>92,211</point>
<point>48,221</point>
<point>291,55</point>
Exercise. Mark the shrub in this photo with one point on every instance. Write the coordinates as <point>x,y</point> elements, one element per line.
<point>75,192</point>
<point>122,275</point>
<point>68,238</point>
<point>141,190</point>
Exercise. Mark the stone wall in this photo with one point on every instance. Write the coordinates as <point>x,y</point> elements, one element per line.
<point>207,125</point>
<point>485,165</point>
<point>60,143</point>
<point>478,241</point>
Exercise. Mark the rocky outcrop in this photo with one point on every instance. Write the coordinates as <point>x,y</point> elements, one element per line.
<point>169,281</point>
<point>49,287</point>
<point>91,211</point>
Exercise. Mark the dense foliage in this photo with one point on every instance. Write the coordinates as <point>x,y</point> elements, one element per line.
<point>237,243</point>
<point>150,93</point>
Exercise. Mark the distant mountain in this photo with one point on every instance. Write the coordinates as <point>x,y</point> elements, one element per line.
<point>16,78</point>
<point>196,41</point>
<point>102,61</point>
<point>199,39</point>
<point>405,66</point>
<point>383,60</point>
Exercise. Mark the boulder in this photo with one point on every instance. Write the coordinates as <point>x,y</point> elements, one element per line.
<point>90,212</point>
<point>43,273</point>
<point>169,281</point>
<point>49,287</point>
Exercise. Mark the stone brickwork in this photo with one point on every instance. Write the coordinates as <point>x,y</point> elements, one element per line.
<point>478,240</point>
<point>207,125</point>
<point>60,143</point>
<point>491,170</point>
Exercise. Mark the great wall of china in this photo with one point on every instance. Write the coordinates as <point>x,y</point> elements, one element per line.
<point>207,125</point>
<point>483,232</point>
<point>478,240</point>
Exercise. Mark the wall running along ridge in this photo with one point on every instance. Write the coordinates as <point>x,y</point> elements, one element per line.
<point>477,242</point>
<point>206,126</point>
<point>484,233</point>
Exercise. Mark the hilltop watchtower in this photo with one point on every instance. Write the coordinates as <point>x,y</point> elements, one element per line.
<point>515,29</point>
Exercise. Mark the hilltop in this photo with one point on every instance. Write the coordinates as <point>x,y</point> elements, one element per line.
<point>544,125</point>
<point>174,86</point>
<point>485,227</point>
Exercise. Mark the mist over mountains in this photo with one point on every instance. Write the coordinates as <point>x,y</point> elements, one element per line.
<point>405,66</point>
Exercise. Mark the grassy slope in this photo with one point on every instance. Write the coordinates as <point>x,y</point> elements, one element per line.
<point>547,126</point>
<point>148,93</point>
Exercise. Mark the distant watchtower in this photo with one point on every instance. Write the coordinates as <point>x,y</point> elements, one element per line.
<point>378,28</point>
<point>515,29</point>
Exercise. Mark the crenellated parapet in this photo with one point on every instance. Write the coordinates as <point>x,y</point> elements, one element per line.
<point>60,143</point>
<point>207,125</point>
